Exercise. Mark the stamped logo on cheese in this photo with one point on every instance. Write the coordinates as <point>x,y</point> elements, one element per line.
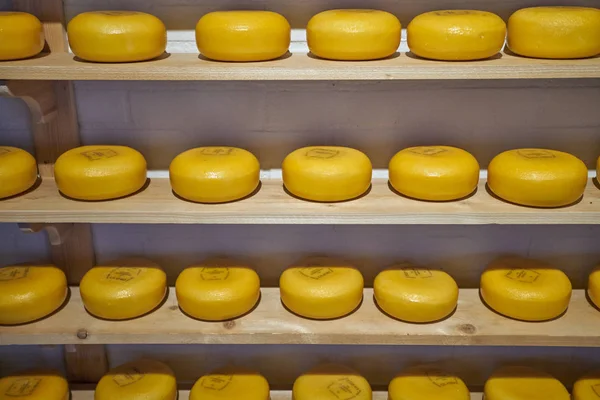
<point>596,389</point>
<point>323,154</point>
<point>4,151</point>
<point>100,154</point>
<point>440,379</point>
<point>12,273</point>
<point>316,272</point>
<point>216,151</point>
<point>23,387</point>
<point>523,275</point>
<point>117,13</point>
<point>124,274</point>
<point>428,151</point>
<point>455,12</point>
<point>344,389</point>
<point>216,382</point>
<point>535,153</point>
<point>214,273</point>
<point>129,377</point>
<point>416,273</point>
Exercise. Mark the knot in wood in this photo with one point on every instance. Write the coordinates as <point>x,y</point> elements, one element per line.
<point>82,334</point>
<point>229,324</point>
<point>467,329</point>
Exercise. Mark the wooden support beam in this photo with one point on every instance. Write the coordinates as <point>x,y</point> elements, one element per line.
<point>85,363</point>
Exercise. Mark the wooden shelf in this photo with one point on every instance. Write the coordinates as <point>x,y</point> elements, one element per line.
<point>270,323</point>
<point>272,205</point>
<point>296,67</point>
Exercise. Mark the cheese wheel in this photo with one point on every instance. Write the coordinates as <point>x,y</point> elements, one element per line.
<point>593,288</point>
<point>456,35</point>
<point>331,382</point>
<point>21,35</point>
<point>525,289</point>
<point>123,289</point>
<point>436,173</point>
<point>217,290</point>
<point>140,379</point>
<point>415,294</point>
<point>34,385</point>
<point>117,36</point>
<point>100,172</point>
<point>243,35</point>
<point>555,32</point>
<point>537,177</point>
<point>30,292</point>
<point>320,288</point>
<point>327,173</point>
<point>18,171</point>
<point>587,387</point>
<point>353,34</point>
<point>214,174</point>
<point>598,170</point>
<point>523,383</point>
<point>427,383</point>
<point>231,384</point>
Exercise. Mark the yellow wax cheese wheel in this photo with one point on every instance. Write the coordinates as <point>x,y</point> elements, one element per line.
<point>456,35</point>
<point>21,35</point>
<point>141,379</point>
<point>598,170</point>
<point>243,35</point>
<point>100,172</point>
<point>117,36</point>
<point>327,173</point>
<point>331,382</point>
<point>525,289</point>
<point>34,385</point>
<point>427,383</point>
<point>320,288</point>
<point>415,294</point>
<point>555,32</point>
<point>353,34</point>
<point>123,289</point>
<point>18,171</point>
<point>214,174</point>
<point>436,173</point>
<point>217,290</point>
<point>28,292</point>
<point>593,289</point>
<point>537,177</point>
<point>523,383</point>
<point>231,384</point>
<point>587,387</point>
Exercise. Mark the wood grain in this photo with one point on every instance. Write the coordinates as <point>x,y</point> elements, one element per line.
<point>85,362</point>
<point>270,323</point>
<point>296,67</point>
<point>272,205</point>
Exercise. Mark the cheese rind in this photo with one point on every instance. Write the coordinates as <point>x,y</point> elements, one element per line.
<point>427,383</point>
<point>353,34</point>
<point>587,387</point>
<point>523,383</point>
<point>21,35</point>
<point>231,383</point>
<point>18,171</point>
<point>117,36</point>
<point>30,292</point>
<point>243,35</point>
<point>331,382</point>
<point>34,385</point>
<point>456,35</point>
<point>593,288</point>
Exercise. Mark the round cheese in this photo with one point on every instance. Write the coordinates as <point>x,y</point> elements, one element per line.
<point>34,385</point>
<point>217,290</point>
<point>30,292</point>
<point>427,383</point>
<point>117,36</point>
<point>18,171</point>
<point>243,35</point>
<point>100,172</point>
<point>321,288</point>
<point>436,173</point>
<point>21,35</point>
<point>415,294</point>
<point>525,289</point>
<point>587,387</point>
<point>231,384</point>
<point>214,174</point>
<point>353,34</point>
<point>123,289</point>
<point>555,32</point>
<point>141,379</point>
<point>523,383</point>
<point>327,173</point>
<point>537,177</point>
<point>456,35</point>
<point>593,288</point>
<point>331,382</point>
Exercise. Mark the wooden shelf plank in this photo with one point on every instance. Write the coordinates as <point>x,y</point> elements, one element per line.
<point>270,323</point>
<point>272,205</point>
<point>297,67</point>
